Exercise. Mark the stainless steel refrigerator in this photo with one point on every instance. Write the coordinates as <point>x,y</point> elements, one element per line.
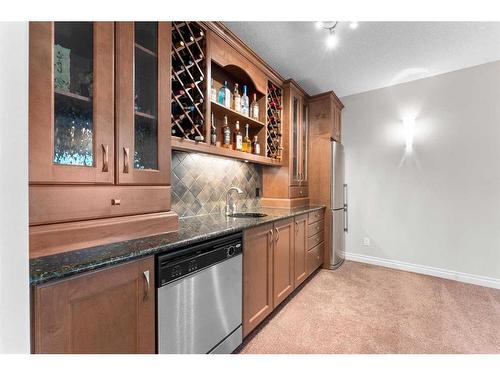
<point>338,206</point>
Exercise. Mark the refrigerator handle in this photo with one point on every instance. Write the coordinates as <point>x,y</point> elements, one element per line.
<point>346,226</point>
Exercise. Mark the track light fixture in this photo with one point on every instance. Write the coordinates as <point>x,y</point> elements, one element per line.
<point>332,39</point>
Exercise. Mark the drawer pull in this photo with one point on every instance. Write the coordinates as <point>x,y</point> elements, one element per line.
<point>126,152</point>
<point>105,158</point>
<point>115,202</point>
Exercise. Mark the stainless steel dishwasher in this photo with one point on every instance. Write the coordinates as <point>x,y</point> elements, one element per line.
<point>199,297</point>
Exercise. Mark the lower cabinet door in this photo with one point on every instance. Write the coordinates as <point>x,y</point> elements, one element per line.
<point>107,311</point>
<point>300,261</point>
<point>257,276</point>
<point>283,259</point>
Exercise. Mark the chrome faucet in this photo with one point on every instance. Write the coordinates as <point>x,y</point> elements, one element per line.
<point>231,207</point>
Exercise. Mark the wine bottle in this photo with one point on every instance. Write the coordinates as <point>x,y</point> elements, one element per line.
<point>226,134</point>
<point>254,108</point>
<point>237,137</point>
<point>236,99</point>
<point>179,44</point>
<point>255,146</point>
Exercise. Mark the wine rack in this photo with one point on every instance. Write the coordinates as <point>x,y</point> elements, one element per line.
<point>274,106</point>
<point>188,80</point>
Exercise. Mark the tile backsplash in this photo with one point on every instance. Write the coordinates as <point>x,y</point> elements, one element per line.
<point>200,183</point>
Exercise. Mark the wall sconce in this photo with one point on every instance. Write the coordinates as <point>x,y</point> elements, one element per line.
<point>409,132</point>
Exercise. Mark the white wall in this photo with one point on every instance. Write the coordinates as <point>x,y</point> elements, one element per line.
<point>14,283</point>
<point>435,210</point>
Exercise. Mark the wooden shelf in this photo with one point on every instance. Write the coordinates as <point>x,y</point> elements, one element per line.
<point>145,50</point>
<point>233,116</point>
<point>145,115</point>
<point>188,145</point>
<point>73,96</point>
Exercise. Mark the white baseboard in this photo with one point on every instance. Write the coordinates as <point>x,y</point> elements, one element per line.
<point>489,282</point>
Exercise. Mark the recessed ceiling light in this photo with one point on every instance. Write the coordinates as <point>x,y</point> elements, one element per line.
<point>319,25</point>
<point>353,25</point>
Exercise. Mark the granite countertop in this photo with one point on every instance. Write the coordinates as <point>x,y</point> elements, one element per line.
<point>191,230</point>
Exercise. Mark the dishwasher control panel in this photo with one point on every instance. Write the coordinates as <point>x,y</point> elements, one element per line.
<point>179,264</point>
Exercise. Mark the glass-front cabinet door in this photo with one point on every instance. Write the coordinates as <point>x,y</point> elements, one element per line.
<point>71,127</point>
<point>295,140</point>
<point>142,102</point>
<point>303,143</point>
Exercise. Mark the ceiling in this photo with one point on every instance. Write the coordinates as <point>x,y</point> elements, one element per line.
<point>376,54</point>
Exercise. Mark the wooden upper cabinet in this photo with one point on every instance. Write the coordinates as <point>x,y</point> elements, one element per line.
<point>297,119</point>
<point>224,54</point>
<point>71,105</point>
<point>106,311</point>
<point>300,249</point>
<point>143,66</point>
<point>283,259</point>
<point>257,276</point>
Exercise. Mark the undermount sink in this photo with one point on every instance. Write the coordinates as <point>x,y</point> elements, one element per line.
<point>247,214</point>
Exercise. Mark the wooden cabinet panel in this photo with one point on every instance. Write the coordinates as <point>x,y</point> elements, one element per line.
<point>223,54</point>
<point>257,276</point>
<point>98,105</point>
<point>299,191</point>
<point>300,249</point>
<point>57,204</point>
<point>315,239</point>
<point>106,311</point>
<point>315,228</point>
<point>132,122</point>
<point>315,216</point>
<point>315,258</point>
<point>283,259</point>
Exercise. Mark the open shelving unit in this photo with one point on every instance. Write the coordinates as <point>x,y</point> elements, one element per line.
<point>193,73</point>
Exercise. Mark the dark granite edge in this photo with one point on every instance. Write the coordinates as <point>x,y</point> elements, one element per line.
<point>58,275</point>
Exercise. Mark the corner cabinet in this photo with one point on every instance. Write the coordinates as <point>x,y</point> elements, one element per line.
<point>294,172</point>
<point>95,177</point>
<point>106,311</point>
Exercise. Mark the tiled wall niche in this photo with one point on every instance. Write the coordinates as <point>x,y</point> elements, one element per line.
<point>200,183</point>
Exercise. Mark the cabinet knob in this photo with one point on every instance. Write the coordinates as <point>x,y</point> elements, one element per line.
<point>115,202</point>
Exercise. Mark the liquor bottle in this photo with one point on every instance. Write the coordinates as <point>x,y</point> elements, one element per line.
<point>254,108</point>
<point>244,102</point>
<point>255,146</point>
<point>226,134</point>
<point>236,99</point>
<point>213,92</point>
<point>237,138</point>
<point>247,144</point>
<point>224,97</point>
<point>213,131</point>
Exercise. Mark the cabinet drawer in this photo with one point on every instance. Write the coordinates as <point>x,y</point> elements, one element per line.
<point>315,228</point>
<point>57,204</point>
<point>315,216</point>
<point>299,191</point>
<point>314,258</point>
<point>315,239</point>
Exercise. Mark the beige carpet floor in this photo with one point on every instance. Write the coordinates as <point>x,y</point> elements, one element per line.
<point>361,308</point>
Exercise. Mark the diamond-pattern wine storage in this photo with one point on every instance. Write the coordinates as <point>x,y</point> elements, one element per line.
<point>188,80</point>
<point>274,107</point>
